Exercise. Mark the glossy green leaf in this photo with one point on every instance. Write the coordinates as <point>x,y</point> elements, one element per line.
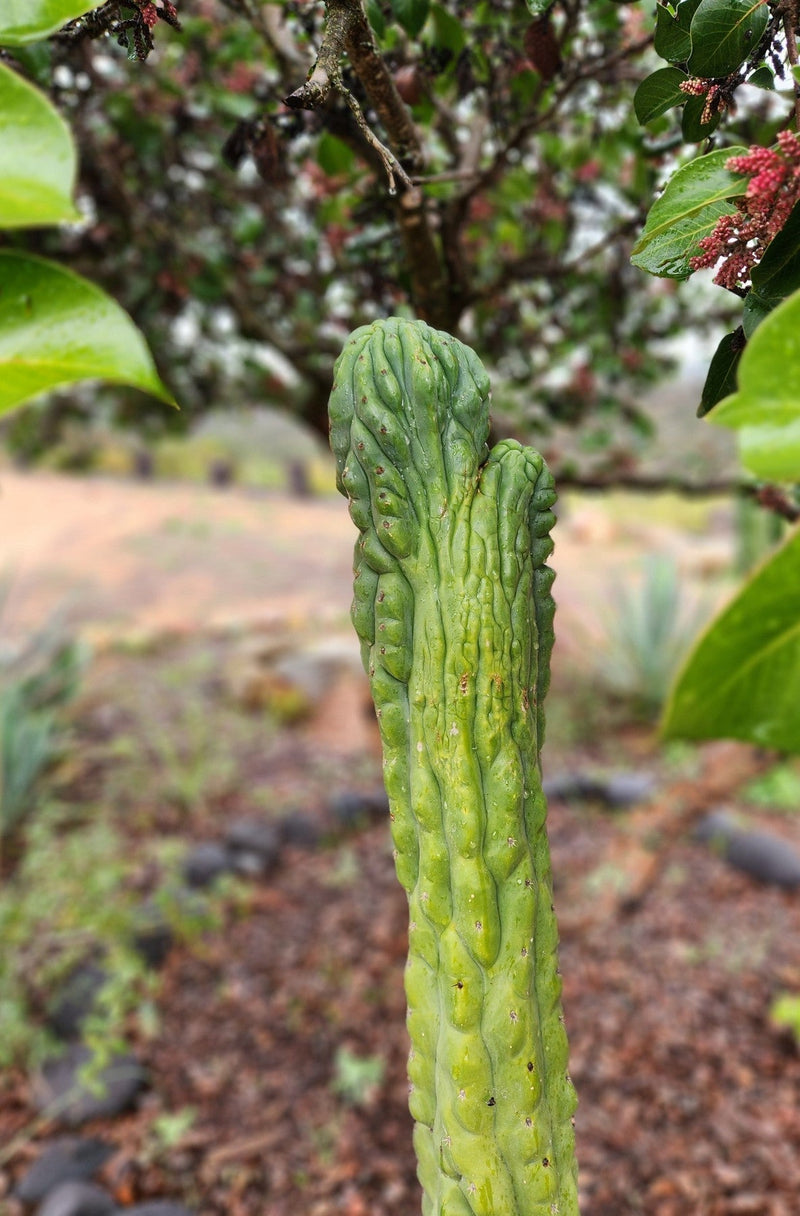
<point>778,273</point>
<point>762,78</point>
<point>539,7</point>
<point>447,30</point>
<point>37,157</point>
<point>334,157</point>
<point>56,328</point>
<point>721,377</point>
<point>741,680</point>
<point>658,93</point>
<point>693,129</point>
<point>766,408</point>
<point>673,40</point>
<point>724,33</point>
<point>375,17</point>
<point>411,14</point>
<point>754,311</point>
<point>24,21</point>
<point>694,199</point>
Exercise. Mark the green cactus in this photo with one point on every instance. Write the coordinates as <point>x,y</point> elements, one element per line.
<point>453,608</point>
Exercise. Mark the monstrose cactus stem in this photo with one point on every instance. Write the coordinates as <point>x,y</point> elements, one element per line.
<point>452,605</point>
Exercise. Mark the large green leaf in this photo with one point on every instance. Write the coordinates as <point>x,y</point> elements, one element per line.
<point>766,409</point>
<point>56,328</point>
<point>694,199</point>
<point>411,14</point>
<point>693,129</point>
<point>724,33</point>
<point>742,679</point>
<point>37,157</point>
<point>658,93</point>
<point>721,377</point>
<point>24,21</point>
<point>673,40</point>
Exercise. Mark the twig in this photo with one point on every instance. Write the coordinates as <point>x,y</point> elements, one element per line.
<point>326,77</point>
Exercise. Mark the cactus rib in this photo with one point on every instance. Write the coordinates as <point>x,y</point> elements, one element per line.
<point>453,609</point>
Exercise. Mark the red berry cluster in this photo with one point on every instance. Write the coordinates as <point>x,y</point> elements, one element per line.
<point>740,238</point>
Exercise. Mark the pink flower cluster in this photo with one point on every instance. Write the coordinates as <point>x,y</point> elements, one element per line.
<point>150,13</point>
<point>740,238</point>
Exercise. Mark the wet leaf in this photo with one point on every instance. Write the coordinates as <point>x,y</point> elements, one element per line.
<point>57,328</point>
<point>658,93</point>
<point>24,21</point>
<point>724,33</point>
<point>721,378</point>
<point>37,157</point>
<point>694,199</point>
<point>766,408</point>
<point>741,680</point>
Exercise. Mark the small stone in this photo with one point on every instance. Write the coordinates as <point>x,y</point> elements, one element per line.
<point>562,787</point>
<point>76,1000</point>
<point>618,791</point>
<point>153,937</point>
<point>764,857</point>
<point>351,809</point>
<point>626,789</point>
<point>299,829</point>
<point>716,827</point>
<point>69,1159</point>
<point>376,801</point>
<point>59,1090</point>
<point>254,846</point>
<point>158,1207</point>
<point>77,1199</point>
<point>204,863</point>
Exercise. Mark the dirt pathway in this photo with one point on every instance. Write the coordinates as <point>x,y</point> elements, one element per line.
<point>118,556</point>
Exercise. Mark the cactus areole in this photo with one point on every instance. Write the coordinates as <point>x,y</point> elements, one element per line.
<point>453,608</point>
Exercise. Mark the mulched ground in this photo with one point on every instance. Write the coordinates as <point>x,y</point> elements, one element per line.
<point>689,1099</point>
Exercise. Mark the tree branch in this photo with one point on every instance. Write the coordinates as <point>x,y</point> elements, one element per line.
<point>345,29</point>
<point>348,31</point>
<point>770,497</point>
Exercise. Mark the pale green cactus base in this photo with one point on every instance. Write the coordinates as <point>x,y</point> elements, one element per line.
<point>453,608</point>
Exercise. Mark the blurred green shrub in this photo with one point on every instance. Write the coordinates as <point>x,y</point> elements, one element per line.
<point>38,679</point>
<point>648,633</point>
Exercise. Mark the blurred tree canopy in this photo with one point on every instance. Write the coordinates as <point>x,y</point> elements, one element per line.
<point>247,236</point>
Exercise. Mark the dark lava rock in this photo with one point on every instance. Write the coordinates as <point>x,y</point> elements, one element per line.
<point>57,1088</point>
<point>351,809</point>
<point>158,1207</point>
<point>204,863</point>
<point>564,786</point>
<point>77,1199</point>
<point>300,830</point>
<point>716,827</point>
<point>615,790</point>
<point>75,1000</point>
<point>153,937</point>
<point>626,789</point>
<point>765,857</point>
<point>254,846</point>
<point>69,1159</point>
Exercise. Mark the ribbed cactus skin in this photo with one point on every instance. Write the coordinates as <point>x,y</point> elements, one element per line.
<point>453,608</point>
